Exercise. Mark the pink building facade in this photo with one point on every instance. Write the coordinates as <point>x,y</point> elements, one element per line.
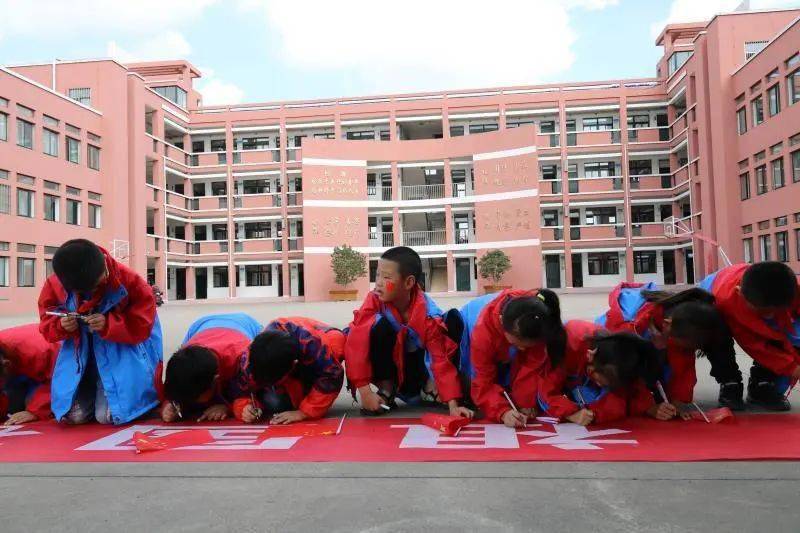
<point>582,185</point>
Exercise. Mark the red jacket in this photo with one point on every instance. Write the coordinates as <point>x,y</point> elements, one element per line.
<point>228,346</point>
<point>489,348</point>
<point>633,400</point>
<point>316,380</point>
<point>33,357</point>
<point>129,322</point>
<point>681,373</point>
<point>424,321</point>
<point>768,346</point>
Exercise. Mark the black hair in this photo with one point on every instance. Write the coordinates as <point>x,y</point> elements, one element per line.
<point>769,284</point>
<point>694,318</point>
<point>190,373</point>
<point>79,264</point>
<point>623,357</point>
<point>272,355</point>
<point>537,317</point>
<point>408,261</point>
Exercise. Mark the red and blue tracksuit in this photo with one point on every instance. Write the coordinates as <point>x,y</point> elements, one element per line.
<point>314,382</point>
<point>568,388</point>
<point>629,311</point>
<point>425,331</point>
<point>229,337</point>
<point>492,363</point>
<point>31,360</point>
<point>772,343</point>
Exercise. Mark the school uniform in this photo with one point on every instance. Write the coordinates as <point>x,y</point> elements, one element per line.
<point>568,388</point>
<point>315,380</point>
<point>32,358</point>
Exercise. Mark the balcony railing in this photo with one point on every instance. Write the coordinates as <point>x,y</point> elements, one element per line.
<point>464,236</point>
<point>651,182</point>
<point>553,233</point>
<point>424,238</point>
<point>463,189</point>
<point>647,229</point>
<point>596,231</point>
<point>258,245</point>
<point>381,240</point>
<point>604,184</point>
<point>548,140</point>
<point>422,192</point>
<point>550,186</point>
<point>377,192</point>
<point>648,135</point>
<point>253,201</point>
<point>254,157</point>
<point>593,138</point>
<point>295,243</point>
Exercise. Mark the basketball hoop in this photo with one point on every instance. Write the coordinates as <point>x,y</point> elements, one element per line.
<point>120,250</point>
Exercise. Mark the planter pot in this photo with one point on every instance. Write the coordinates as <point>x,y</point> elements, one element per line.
<point>344,295</point>
<point>489,289</point>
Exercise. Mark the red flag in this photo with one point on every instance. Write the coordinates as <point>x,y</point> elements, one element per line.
<point>447,424</point>
<point>715,416</point>
<point>179,439</point>
<point>321,428</point>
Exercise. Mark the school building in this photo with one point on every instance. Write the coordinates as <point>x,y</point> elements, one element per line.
<point>581,184</point>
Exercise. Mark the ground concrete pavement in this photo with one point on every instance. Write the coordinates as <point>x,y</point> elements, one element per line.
<point>723,496</point>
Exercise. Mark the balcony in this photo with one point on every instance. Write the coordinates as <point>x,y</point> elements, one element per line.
<point>593,138</point>
<point>179,246</point>
<point>463,189</point>
<point>294,199</point>
<point>647,229</point>
<point>259,245</point>
<point>256,157</point>
<point>375,192</point>
<point>257,201</point>
<point>552,233</point>
<point>589,185</point>
<point>177,155</point>
<point>596,232</point>
<point>208,159</point>
<point>651,182</point>
<point>464,236</point>
<point>681,175</point>
<point>648,135</point>
<point>422,192</point>
<point>179,201</point>
<point>153,244</point>
<point>209,203</point>
<point>295,244</point>
<point>424,238</point>
<point>210,247</point>
<point>679,124</point>
<point>548,140</point>
<point>381,240</point>
<point>550,186</point>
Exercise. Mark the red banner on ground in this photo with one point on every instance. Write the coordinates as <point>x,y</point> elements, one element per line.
<point>747,437</point>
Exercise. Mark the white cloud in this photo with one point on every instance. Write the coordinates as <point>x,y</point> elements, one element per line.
<point>216,91</point>
<point>167,45</point>
<point>698,11</point>
<point>424,44</point>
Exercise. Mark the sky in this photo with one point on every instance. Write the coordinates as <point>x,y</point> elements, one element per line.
<point>264,50</point>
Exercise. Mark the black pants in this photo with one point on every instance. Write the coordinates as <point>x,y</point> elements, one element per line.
<point>16,390</point>
<point>725,369</point>
<point>382,339</point>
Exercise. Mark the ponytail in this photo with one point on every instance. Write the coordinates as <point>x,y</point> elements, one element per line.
<point>668,300</point>
<point>537,318</point>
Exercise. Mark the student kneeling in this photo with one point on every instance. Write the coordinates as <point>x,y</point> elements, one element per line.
<point>293,372</point>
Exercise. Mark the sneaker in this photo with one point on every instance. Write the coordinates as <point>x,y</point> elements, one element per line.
<point>764,394</point>
<point>730,396</point>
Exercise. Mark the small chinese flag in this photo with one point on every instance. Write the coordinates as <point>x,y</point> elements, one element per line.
<point>179,439</point>
<point>321,428</point>
<point>445,423</point>
<point>715,416</point>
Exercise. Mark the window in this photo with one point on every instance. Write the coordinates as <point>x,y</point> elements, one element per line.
<point>82,95</point>
<point>217,145</point>
<point>741,120</point>
<point>25,203</point>
<point>4,282</point>
<point>24,134</point>
<point>774,99</point>
<point>547,126</point>
<point>220,275</point>
<point>643,213</point>
<point>257,230</point>
<point>95,216</point>
<point>3,127</point>
<point>549,172</point>
<point>638,121</point>
<point>766,247</point>
<point>793,87</point>
<point>5,199</point>
<point>50,121</point>
<point>258,275</point>
<point>252,143</point>
<point>26,272</point>
<point>172,93</point>
<point>599,170</point>
<point>360,135</point>
<point>796,166</point>
<point>73,212</point>
<point>50,142</point>
<point>747,252</point>
<point>23,111</point>
<point>641,167</point>
<point>27,180</point>
<point>603,264</point>
<point>601,215</point>
<point>757,106</point>
<point>201,233</point>
<point>744,186</point>
<point>782,246</point>
<point>482,128</point>
<point>644,263</point>
<point>256,187</point>
<point>93,157</point>
<point>751,48</point>
<point>598,123</point>
<point>198,146</point>
<point>73,150</point>
<point>48,268</point>
<point>778,179</point>
<point>781,221</point>
<point>676,61</point>
<point>219,232</point>
<point>776,148</point>
<point>51,207</point>
<point>73,191</point>
<point>761,180</point>
<point>219,188</point>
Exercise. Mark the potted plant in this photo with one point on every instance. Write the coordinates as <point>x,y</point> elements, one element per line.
<point>492,266</point>
<point>348,265</point>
